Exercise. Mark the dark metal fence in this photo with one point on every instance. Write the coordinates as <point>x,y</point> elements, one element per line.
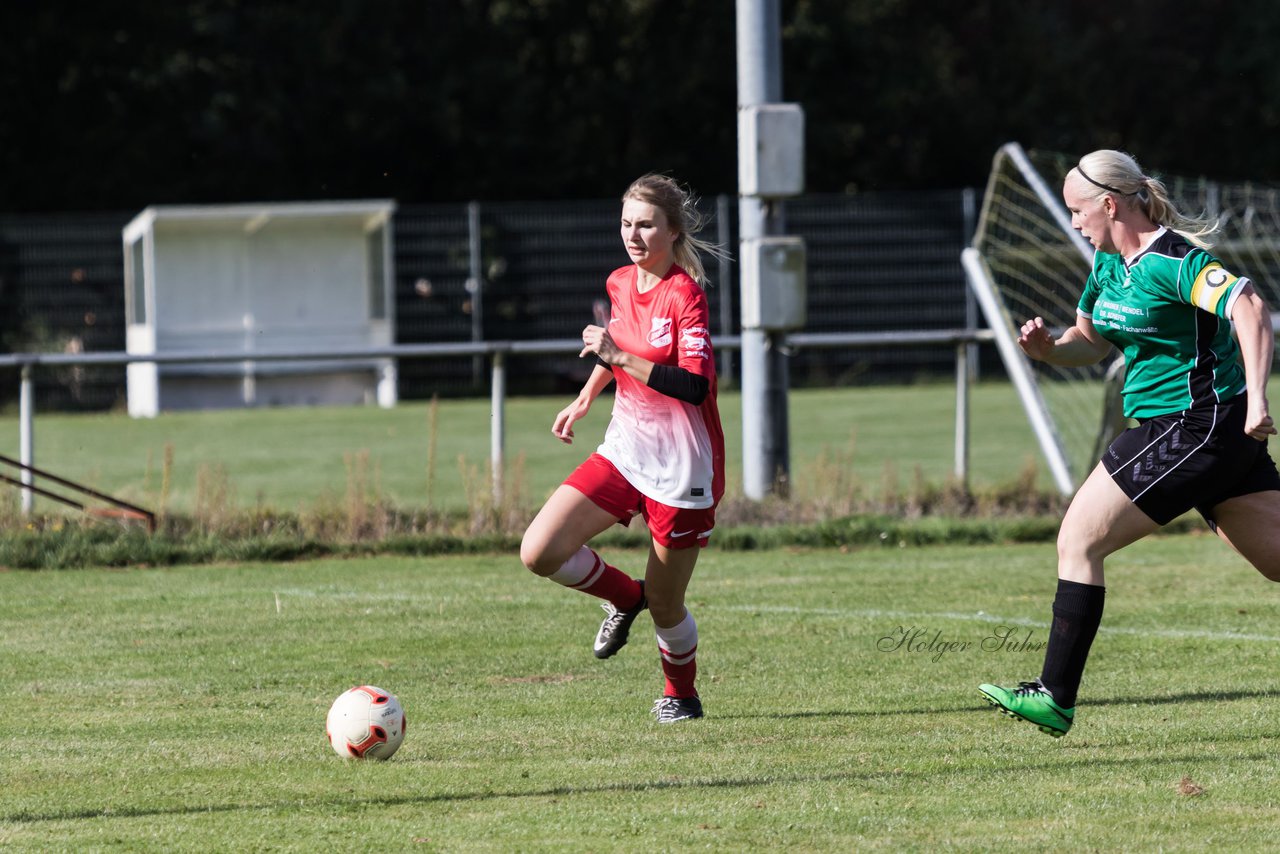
<point>62,290</point>
<point>524,272</point>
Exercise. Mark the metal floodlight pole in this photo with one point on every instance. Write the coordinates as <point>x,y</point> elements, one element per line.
<point>762,362</point>
<point>723,236</point>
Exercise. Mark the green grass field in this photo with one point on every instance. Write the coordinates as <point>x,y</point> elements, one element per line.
<point>183,709</point>
<point>291,459</point>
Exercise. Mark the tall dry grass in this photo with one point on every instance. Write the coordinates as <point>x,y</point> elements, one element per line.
<point>824,489</point>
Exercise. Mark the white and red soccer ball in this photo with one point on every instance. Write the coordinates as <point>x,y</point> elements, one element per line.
<point>365,723</point>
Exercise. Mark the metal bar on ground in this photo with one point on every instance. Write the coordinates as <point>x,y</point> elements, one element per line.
<point>26,487</point>
<point>28,470</point>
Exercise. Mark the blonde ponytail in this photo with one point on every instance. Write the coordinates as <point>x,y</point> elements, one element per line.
<point>1115,172</point>
<point>681,210</point>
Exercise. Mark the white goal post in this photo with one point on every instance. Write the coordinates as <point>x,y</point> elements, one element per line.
<point>1019,368</point>
<point>1027,261</point>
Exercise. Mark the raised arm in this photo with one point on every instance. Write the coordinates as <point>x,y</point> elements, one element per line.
<point>1079,345</point>
<point>671,380</point>
<point>596,339</point>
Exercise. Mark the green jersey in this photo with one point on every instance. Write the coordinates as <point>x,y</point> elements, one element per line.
<point>1169,311</point>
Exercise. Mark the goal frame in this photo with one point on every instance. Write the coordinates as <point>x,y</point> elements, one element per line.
<point>1001,322</point>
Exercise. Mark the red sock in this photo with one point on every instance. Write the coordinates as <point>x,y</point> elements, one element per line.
<point>679,648</point>
<point>680,677</point>
<point>587,571</point>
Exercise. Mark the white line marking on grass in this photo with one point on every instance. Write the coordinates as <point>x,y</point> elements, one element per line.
<point>335,593</point>
<point>876,613</point>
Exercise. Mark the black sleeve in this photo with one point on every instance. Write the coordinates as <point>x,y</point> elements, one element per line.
<point>674,381</point>
<point>602,363</point>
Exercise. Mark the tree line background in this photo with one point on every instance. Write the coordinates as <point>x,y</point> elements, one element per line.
<point>114,106</point>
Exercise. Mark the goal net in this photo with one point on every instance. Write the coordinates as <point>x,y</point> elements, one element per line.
<point>1027,261</point>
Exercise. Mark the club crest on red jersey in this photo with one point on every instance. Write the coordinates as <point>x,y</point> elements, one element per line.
<point>660,332</point>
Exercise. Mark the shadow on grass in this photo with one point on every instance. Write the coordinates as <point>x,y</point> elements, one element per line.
<point>854,713</point>
<point>1062,763</point>
<point>1196,697</point>
<point>981,705</point>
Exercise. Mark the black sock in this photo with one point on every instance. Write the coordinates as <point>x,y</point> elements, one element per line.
<point>1077,611</point>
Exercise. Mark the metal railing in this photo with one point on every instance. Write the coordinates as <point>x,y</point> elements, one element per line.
<point>498,352</point>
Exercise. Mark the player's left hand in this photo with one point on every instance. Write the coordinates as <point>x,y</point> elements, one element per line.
<point>1258,423</point>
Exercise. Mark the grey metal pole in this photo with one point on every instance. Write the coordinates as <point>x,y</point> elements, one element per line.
<point>723,235</point>
<point>765,456</point>
<point>969,201</point>
<point>475,286</point>
<point>498,424</point>
<point>962,412</point>
<point>27,436</point>
<point>249,380</point>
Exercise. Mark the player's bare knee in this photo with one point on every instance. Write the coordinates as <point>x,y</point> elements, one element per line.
<point>1070,549</point>
<point>666,612</point>
<point>534,555</point>
<point>1079,547</point>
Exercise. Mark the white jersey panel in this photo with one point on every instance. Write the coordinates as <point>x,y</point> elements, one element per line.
<point>662,447</point>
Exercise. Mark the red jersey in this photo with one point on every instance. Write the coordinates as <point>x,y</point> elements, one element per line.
<point>672,451</point>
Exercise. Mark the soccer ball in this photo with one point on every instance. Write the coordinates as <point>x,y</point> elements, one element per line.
<point>365,723</point>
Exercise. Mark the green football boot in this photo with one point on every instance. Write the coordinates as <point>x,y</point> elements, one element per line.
<point>1030,702</point>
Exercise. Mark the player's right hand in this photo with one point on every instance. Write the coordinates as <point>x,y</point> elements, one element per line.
<point>1035,339</point>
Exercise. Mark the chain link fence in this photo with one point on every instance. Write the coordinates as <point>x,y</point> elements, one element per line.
<point>526,272</point>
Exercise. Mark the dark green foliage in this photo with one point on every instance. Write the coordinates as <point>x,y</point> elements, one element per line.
<point>114,106</point>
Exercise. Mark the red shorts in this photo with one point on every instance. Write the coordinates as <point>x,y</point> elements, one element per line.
<point>673,527</point>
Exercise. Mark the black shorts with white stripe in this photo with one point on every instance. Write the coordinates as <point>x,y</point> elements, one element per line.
<point>1196,458</point>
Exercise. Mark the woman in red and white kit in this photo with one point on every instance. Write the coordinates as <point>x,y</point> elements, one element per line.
<point>663,452</point>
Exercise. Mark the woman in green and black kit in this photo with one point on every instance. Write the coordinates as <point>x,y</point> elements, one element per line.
<point>1199,396</point>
